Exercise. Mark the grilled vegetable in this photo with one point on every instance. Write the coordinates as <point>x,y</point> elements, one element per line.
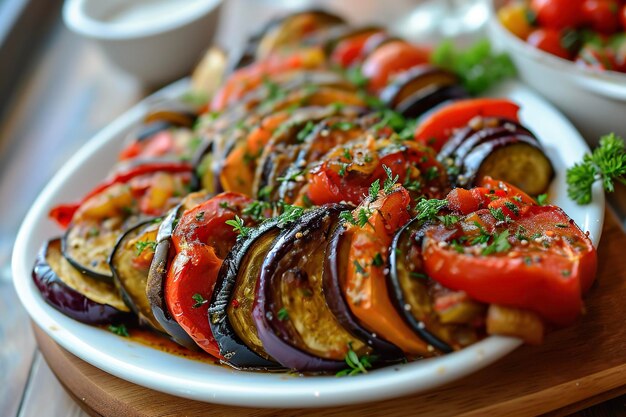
<point>538,252</point>
<point>155,286</point>
<point>201,240</point>
<point>390,59</point>
<point>421,102</point>
<point>109,210</point>
<point>437,127</point>
<point>413,294</point>
<point>230,311</point>
<point>291,30</point>
<point>335,276</point>
<point>73,293</point>
<point>515,159</point>
<point>293,322</point>
<point>365,291</point>
<point>130,262</point>
<point>414,81</point>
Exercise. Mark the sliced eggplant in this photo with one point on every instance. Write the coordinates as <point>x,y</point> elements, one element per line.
<point>478,130</point>
<point>130,263</point>
<point>73,293</point>
<point>155,286</point>
<point>283,148</point>
<point>293,29</point>
<point>334,288</point>
<point>230,311</point>
<point>415,80</point>
<point>293,321</point>
<point>514,159</point>
<point>88,244</point>
<point>424,100</point>
<point>413,294</point>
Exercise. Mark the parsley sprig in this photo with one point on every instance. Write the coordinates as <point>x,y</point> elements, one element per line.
<point>238,226</point>
<point>357,365</point>
<point>428,209</point>
<point>607,163</point>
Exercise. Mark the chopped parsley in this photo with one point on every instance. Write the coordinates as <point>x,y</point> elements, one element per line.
<point>359,268</point>
<point>378,260</point>
<point>238,226</point>
<point>542,199</point>
<point>199,299</point>
<point>390,181</point>
<point>142,245</point>
<point>428,209</point>
<point>448,220</point>
<point>291,177</point>
<point>305,131</point>
<point>374,190</point>
<point>283,314</point>
<point>200,214</point>
<point>290,214</point>
<point>356,365</point>
<point>119,330</point>
<point>513,207</point>
<point>483,236</point>
<point>343,126</point>
<point>500,244</point>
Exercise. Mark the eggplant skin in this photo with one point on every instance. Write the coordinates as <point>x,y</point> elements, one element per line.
<point>68,300</point>
<point>287,269</point>
<point>333,293</point>
<point>155,285</point>
<point>232,347</point>
<point>516,160</point>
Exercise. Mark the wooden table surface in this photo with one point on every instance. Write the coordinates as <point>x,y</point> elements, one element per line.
<point>67,94</point>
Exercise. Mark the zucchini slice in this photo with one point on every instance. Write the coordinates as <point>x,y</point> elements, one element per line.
<point>130,263</point>
<point>230,311</point>
<point>413,294</point>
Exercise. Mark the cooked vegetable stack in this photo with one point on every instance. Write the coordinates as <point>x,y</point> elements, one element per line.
<point>298,220</point>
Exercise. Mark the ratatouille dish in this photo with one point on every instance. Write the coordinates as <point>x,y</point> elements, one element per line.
<point>337,204</point>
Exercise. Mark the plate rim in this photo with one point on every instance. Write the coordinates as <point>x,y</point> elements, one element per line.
<point>384,383</point>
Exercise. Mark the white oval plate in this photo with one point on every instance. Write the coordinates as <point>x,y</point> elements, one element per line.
<point>175,375</point>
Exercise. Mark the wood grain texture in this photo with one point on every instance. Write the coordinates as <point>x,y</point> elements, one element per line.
<point>575,368</point>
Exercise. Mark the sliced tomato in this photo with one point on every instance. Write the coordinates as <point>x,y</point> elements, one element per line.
<point>540,261</point>
<point>63,213</point>
<point>437,127</point>
<point>349,50</point>
<point>237,173</point>
<point>366,286</point>
<point>248,78</point>
<point>346,173</point>
<point>389,59</point>
<point>158,145</point>
<point>201,241</point>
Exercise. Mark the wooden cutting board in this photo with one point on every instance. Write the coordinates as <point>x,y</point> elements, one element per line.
<point>574,369</point>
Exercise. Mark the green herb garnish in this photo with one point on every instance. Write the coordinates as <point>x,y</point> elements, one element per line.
<point>238,226</point>
<point>119,330</point>
<point>607,163</point>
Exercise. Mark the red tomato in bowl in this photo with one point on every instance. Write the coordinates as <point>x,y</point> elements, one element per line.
<point>548,40</point>
<point>558,14</point>
<point>602,15</point>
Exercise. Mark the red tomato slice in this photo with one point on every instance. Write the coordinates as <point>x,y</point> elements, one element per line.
<point>349,50</point>
<point>437,127</point>
<point>542,261</point>
<point>390,59</point>
<point>63,213</point>
<point>201,241</point>
<point>366,286</point>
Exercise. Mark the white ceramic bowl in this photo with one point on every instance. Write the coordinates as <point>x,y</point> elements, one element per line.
<point>156,40</point>
<point>595,101</point>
